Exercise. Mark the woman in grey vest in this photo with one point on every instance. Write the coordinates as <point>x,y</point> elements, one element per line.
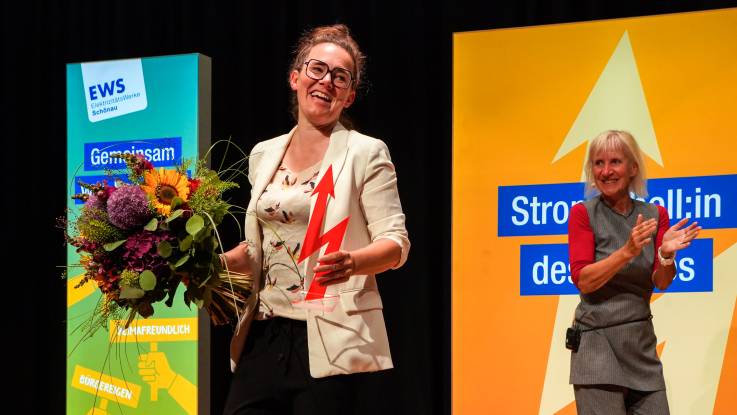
<point>620,249</point>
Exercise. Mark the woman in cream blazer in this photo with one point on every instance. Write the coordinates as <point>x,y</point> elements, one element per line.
<point>352,337</point>
<point>348,334</point>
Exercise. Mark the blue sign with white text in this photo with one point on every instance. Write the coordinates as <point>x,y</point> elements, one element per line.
<point>710,200</point>
<point>543,209</point>
<point>111,179</point>
<point>162,152</point>
<point>545,270</point>
<point>537,209</point>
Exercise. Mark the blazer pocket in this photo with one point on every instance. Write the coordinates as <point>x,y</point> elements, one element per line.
<point>360,300</point>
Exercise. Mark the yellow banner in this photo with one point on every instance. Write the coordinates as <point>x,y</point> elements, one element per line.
<point>75,295</point>
<point>154,330</point>
<point>525,103</point>
<point>106,387</point>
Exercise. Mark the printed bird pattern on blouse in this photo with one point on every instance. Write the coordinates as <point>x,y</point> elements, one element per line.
<point>284,209</point>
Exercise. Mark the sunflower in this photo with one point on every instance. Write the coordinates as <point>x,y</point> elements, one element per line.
<point>163,186</point>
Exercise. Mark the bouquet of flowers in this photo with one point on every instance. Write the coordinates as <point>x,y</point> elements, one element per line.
<point>138,241</point>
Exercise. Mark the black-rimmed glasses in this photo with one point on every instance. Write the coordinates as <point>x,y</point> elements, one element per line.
<point>317,69</point>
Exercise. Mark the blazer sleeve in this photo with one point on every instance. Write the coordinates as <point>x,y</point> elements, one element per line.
<point>253,161</point>
<point>380,200</point>
<point>254,158</point>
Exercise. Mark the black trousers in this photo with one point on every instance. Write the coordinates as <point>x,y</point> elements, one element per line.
<point>273,375</point>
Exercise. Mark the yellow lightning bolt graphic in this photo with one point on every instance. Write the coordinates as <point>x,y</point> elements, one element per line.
<point>616,101</point>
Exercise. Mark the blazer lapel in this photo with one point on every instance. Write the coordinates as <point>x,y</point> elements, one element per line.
<point>334,156</point>
<point>271,160</point>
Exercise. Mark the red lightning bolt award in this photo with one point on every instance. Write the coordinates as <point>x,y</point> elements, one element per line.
<point>314,240</point>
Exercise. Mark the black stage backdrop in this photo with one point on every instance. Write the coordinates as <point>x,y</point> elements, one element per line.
<point>407,102</point>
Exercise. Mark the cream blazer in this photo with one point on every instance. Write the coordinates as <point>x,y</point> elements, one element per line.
<point>352,337</point>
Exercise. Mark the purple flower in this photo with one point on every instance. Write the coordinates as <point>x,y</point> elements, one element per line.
<point>95,202</point>
<point>140,252</point>
<point>128,207</point>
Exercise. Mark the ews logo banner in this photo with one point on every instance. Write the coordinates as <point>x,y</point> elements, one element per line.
<point>113,88</point>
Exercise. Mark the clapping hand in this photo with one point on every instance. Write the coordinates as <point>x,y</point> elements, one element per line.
<point>677,237</point>
<point>641,235</point>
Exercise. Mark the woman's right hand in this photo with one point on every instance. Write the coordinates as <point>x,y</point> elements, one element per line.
<point>236,259</point>
<point>640,236</point>
<point>594,276</point>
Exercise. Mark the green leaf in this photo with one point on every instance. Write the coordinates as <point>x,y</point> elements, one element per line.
<point>185,243</point>
<point>176,202</point>
<point>194,224</point>
<point>147,280</point>
<point>203,235</point>
<point>181,261</point>
<point>112,245</point>
<point>152,225</point>
<point>131,292</point>
<point>177,213</point>
<point>164,249</point>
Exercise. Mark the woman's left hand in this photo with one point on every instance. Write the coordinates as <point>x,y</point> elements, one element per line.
<point>677,237</point>
<point>339,266</point>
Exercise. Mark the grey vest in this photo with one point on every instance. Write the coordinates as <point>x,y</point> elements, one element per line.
<point>625,354</point>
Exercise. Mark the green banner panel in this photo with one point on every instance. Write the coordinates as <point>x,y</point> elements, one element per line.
<point>158,107</point>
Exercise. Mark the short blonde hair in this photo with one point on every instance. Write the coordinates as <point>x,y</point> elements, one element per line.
<point>623,141</point>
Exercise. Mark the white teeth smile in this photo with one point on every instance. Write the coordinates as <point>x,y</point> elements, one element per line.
<point>320,95</point>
